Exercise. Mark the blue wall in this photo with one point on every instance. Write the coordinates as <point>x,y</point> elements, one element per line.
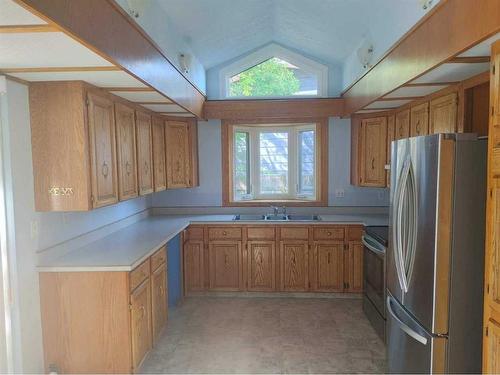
<point>174,271</point>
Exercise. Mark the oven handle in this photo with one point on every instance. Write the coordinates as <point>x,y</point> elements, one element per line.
<point>371,247</point>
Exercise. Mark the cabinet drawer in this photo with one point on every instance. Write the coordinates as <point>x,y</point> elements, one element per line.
<point>294,233</point>
<point>158,258</point>
<point>354,233</point>
<point>261,233</point>
<point>224,233</point>
<point>328,233</point>
<point>139,274</point>
<point>195,233</point>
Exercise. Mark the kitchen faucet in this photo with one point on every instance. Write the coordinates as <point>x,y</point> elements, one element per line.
<point>275,210</point>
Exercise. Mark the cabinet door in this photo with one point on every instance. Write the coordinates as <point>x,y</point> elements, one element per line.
<point>178,155</point>
<point>140,308</point>
<point>159,299</point>
<point>261,265</point>
<point>194,265</point>
<point>443,114</point>
<point>225,265</point>
<point>373,151</point>
<point>125,144</point>
<point>294,266</point>
<point>102,150</point>
<point>402,124</point>
<point>419,120</point>
<point>390,137</point>
<point>492,348</point>
<point>353,267</point>
<point>329,259</point>
<point>144,153</point>
<point>194,179</point>
<point>160,176</point>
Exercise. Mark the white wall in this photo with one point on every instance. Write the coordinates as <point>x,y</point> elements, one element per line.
<point>156,22</point>
<point>388,24</point>
<point>209,193</point>
<point>53,227</point>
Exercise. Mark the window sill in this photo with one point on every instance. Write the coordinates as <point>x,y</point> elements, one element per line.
<point>265,203</point>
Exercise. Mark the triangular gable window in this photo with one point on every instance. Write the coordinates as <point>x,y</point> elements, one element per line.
<point>272,78</point>
<point>273,72</point>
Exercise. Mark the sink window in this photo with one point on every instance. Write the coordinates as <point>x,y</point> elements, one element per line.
<point>273,162</point>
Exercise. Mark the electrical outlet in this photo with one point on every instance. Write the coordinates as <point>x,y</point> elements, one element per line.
<point>34,229</point>
<point>339,193</point>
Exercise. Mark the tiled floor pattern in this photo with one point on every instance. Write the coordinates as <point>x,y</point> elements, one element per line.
<point>267,335</point>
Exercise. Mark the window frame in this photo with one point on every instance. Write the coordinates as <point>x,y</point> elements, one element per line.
<point>320,198</point>
<point>264,54</point>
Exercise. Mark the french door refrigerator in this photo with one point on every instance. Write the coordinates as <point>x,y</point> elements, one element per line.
<point>435,260</point>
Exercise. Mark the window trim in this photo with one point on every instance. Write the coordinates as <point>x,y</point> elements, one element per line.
<point>321,167</point>
<point>264,54</point>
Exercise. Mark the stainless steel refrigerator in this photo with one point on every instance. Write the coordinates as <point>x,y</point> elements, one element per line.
<point>435,260</point>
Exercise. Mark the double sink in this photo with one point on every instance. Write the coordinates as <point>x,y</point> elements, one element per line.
<point>277,218</point>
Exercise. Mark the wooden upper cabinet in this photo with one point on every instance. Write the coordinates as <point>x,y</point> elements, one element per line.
<point>125,144</point>
<point>419,120</point>
<point>294,266</point>
<point>373,152</point>
<point>443,114</point>
<point>140,320</point>
<point>329,263</point>
<point>144,153</point>
<point>160,176</point>
<point>261,266</point>
<point>402,124</point>
<point>104,176</point>
<point>178,154</point>
<point>225,265</point>
<point>193,146</point>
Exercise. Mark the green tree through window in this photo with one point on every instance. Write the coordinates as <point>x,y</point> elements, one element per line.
<point>273,77</point>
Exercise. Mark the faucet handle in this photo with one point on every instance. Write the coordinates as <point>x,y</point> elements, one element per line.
<point>284,210</point>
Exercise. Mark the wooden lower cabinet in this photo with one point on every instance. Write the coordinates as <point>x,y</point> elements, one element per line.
<point>102,321</point>
<point>159,298</point>
<point>491,348</point>
<point>294,266</point>
<point>329,266</point>
<point>225,265</point>
<point>194,266</point>
<point>261,260</point>
<point>353,267</point>
<point>140,318</point>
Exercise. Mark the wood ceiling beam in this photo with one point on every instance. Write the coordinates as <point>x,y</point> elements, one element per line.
<point>51,69</point>
<point>18,29</point>
<point>149,103</point>
<point>129,89</point>
<point>399,98</point>
<point>431,84</point>
<point>449,29</point>
<point>249,109</point>
<point>105,28</point>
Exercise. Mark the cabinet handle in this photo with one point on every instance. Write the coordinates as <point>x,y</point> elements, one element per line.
<point>161,290</point>
<point>105,170</point>
<point>329,233</point>
<point>146,167</point>
<point>373,163</point>
<point>329,258</point>
<point>128,168</point>
<point>418,127</point>
<point>224,233</point>
<point>225,259</point>
<point>143,310</point>
<point>177,166</point>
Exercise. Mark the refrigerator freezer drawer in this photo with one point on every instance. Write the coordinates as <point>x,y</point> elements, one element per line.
<point>412,349</point>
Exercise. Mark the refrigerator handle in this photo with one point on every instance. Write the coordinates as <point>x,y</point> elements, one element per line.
<point>399,215</point>
<point>410,332</point>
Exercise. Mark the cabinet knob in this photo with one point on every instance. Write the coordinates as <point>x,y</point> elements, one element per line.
<point>373,163</point>
<point>329,233</point>
<point>224,233</point>
<point>128,168</point>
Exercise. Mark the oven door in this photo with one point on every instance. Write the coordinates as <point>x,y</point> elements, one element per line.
<point>374,272</point>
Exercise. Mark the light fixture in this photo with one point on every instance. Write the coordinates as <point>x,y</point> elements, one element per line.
<point>135,8</point>
<point>426,4</point>
<point>185,62</point>
<point>365,54</point>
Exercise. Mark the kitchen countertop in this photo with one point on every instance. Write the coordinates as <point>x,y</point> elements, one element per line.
<point>126,248</point>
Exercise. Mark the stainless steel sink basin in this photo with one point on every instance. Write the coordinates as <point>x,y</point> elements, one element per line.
<point>249,217</point>
<point>277,217</point>
<point>304,218</point>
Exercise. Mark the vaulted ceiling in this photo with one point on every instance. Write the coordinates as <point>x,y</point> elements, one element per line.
<point>330,30</point>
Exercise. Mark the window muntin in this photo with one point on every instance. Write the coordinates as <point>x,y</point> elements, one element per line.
<point>281,162</point>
